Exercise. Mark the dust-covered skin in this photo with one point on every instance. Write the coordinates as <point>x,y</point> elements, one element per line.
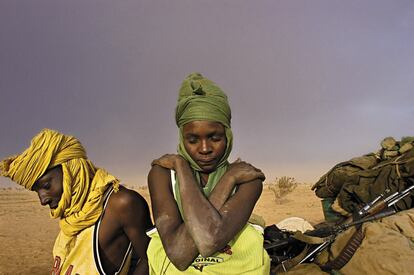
<point>209,223</point>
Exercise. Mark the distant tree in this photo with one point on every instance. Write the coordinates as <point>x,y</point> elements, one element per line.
<point>281,187</point>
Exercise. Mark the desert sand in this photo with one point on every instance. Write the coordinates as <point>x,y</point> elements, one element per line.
<point>27,232</point>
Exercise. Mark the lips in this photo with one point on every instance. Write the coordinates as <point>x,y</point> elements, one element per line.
<point>206,161</point>
<point>207,164</point>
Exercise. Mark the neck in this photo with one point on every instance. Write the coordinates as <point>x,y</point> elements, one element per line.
<point>203,179</point>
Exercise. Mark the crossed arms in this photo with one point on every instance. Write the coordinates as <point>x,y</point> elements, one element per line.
<point>208,223</point>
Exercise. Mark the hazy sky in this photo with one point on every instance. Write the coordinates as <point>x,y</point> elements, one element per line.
<point>310,83</point>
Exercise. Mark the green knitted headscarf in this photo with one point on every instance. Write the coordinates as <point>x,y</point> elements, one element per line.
<point>201,99</point>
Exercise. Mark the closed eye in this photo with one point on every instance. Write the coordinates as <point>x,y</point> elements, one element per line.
<point>216,138</point>
<point>191,139</point>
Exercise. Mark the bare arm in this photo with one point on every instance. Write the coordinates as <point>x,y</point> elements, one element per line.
<point>211,228</point>
<point>134,217</point>
<point>177,241</point>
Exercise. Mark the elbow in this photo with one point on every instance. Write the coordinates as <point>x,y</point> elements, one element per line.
<point>211,245</point>
<point>180,266</point>
<point>177,259</point>
<point>208,250</point>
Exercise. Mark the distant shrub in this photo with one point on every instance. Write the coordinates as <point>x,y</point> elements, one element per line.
<point>282,186</point>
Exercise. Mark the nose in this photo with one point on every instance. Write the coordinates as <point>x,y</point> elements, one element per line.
<point>43,199</point>
<point>205,148</point>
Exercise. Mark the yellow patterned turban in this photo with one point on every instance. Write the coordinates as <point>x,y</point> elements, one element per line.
<point>84,185</point>
<point>47,150</point>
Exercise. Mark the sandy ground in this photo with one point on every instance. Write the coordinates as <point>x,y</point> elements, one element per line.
<point>27,232</point>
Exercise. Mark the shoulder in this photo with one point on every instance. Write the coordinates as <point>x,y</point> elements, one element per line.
<point>159,178</point>
<point>126,200</point>
<point>158,173</point>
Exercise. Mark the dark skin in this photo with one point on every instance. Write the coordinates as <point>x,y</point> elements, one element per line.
<point>126,219</point>
<point>209,223</point>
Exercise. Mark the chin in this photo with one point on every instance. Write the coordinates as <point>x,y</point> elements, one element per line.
<point>208,169</point>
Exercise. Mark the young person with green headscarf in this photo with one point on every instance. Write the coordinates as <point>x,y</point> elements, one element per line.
<point>201,203</point>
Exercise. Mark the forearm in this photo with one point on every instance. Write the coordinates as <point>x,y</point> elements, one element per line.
<point>222,192</point>
<point>202,219</point>
<point>177,242</point>
<point>207,225</point>
<point>182,258</point>
<point>180,247</point>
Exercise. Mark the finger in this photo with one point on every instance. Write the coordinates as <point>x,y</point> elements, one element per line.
<point>261,176</point>
<point>157,164</point>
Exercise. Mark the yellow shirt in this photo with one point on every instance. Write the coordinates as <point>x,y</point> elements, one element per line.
<point>248,257</point>
<point>83,258</point>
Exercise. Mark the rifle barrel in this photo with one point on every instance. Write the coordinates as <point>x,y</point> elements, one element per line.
<point>386,213</point>
<point>401,195</point>
<point>277,244</point>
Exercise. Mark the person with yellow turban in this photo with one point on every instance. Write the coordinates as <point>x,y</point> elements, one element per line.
<point>201,203</point>
<point>102,223</point>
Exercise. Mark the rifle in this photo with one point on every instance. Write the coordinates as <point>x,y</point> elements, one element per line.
<point>382,206</point>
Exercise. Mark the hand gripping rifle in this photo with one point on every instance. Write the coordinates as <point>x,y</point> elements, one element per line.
<point>382,206</point>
